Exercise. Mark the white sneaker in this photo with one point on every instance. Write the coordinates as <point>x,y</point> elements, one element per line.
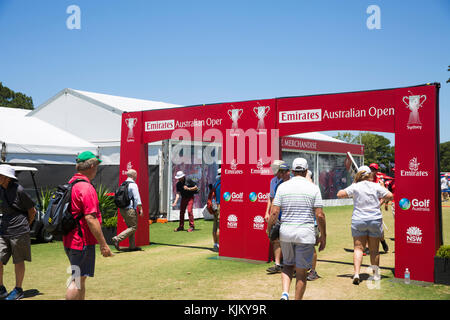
<point>285,296</point>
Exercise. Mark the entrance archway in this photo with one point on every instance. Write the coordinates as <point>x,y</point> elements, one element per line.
<point>250,132</point>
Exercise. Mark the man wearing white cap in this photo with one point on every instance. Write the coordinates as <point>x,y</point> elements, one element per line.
<point>300,200</point>
<point>18,213</point>
<point>186,188</point>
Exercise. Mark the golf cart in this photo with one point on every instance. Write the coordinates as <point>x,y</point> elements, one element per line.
<point>37,227</point>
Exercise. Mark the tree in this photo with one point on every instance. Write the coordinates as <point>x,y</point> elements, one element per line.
<point>11,99</point>
<point>444,156</point>
<point>376,147</point>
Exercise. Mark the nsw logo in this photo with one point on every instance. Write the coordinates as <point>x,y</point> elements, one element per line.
<point>232,221</point>
<point>258,223</point>
<point>414,235</point>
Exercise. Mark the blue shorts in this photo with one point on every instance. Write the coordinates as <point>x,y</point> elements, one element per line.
<point>371,228</point>
<point>300,255</point>
<point>82,262</point>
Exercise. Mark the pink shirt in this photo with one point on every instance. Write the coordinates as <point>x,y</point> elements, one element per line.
<point>85,201</point>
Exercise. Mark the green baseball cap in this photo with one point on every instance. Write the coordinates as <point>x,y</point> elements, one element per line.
<point>86,155</point>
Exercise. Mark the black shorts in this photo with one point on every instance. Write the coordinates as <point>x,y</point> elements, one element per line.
<point>82,262</point>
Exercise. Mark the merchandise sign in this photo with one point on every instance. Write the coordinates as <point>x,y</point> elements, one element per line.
<point>250,133</point>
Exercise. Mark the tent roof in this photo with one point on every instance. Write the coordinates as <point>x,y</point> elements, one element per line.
<point>316,136</point>
<point>112,103</point>
<point>31,135</point>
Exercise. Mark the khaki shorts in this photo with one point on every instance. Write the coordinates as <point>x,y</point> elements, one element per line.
<point>18,247</point>
<point>216,219</point>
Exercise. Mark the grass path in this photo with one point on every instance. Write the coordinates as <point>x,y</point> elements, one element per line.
<point>182,266</point>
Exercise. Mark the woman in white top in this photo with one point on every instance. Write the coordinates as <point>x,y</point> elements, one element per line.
<point>367,221</point>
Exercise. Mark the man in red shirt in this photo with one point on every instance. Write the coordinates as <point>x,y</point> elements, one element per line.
<point>79,244</point>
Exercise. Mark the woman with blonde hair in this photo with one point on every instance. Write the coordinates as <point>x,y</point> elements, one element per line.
<point>367,221</point>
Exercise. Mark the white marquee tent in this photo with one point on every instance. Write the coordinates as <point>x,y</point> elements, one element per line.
<point>30,140</point>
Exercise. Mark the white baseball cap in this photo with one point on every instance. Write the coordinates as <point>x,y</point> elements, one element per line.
<point>365,169</point>
<point>276,166</point>
<point>7,171</point>
<point>179,175</point>
<point>299,164</point>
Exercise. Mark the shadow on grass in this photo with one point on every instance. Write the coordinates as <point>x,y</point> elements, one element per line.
<point>351,250</point>
<point>362,276</point>
<point>351,264</point>
<point>182,246</point>
<point>31,293</point>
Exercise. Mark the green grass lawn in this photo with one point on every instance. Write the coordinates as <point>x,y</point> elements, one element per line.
<point>182,265</point>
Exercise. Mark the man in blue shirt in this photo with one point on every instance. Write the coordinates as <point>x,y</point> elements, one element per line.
<point>281,172</point>
<point>215,231</point>
<point>129,213</point>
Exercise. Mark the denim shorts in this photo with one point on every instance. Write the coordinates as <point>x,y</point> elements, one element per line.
<point>371,228</point>
<point>82,262</point>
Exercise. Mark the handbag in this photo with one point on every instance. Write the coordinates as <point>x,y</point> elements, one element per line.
<point>274,233</point>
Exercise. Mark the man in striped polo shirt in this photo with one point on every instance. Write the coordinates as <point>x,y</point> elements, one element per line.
<point>300,200</point>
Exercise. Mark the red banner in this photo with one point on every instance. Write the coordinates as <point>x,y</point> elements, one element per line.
<point>249,132</point>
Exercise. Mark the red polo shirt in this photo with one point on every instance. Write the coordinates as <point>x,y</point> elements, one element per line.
<point>85,201</point>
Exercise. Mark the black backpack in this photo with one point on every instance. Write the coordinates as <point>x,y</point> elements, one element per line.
<point>121,197</point>
<point>58,218</point>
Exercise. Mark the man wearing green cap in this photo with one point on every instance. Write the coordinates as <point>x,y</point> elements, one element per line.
<point>80,249</point>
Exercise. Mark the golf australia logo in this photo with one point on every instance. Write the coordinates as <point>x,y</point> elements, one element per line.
<point>232,221</point>
<point>415,205</point>
<point>414,235</point>
<point>258,223</point>
<point>233,196</point>
<point>413,171</point>
<point>258,197</point>
<point>414,103</point>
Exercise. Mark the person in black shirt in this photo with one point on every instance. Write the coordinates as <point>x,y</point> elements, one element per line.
<point>17,214</point>
<point>185,188</point>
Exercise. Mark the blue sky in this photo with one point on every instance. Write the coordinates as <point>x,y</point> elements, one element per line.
<point>197,51</point>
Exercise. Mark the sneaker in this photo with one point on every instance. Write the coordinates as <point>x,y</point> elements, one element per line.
<point>356,279</point>
<point>179,229</point>
<point>385,246</point>
<point>285,296</point>
<point>191,229</point>
<point>116,243</point>
<point>216,247</point>
<point>312,275</point>
<point>16,294</point>
<point>3,292</point>
<point>275,269</point>
<point>366,252</point>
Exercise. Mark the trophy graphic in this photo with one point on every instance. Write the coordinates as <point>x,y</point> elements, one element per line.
<point>261,112</point>
<point>131,122</point>
<point>414,103</point>
<point>235,114</point>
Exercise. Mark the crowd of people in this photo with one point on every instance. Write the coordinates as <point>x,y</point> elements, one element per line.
<point>294,206</point>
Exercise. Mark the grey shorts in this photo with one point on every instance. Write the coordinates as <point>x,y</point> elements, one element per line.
<point>300,255</point>
<point>371,228</point>
<point>82,262</point>
<point>18,247</point>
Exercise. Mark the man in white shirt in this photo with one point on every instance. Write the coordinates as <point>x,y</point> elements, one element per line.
<point>129,213</point>
<point>300,200</point>
<point>444,187</point>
